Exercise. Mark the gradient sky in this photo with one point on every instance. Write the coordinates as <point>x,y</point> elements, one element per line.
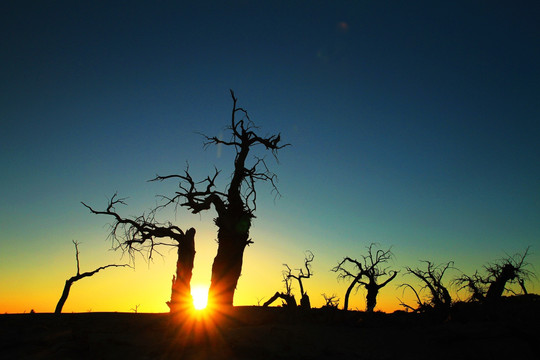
<point>413,124</point>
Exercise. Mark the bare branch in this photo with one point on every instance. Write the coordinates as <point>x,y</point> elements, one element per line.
<point>133,235</point>
<point>420,305</point>
<point>77,256</point>
<point>78,277</point>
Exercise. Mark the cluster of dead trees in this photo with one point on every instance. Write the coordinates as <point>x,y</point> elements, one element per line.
<point>367,272</point>
<point>371,273</point>
<point>488,286</point>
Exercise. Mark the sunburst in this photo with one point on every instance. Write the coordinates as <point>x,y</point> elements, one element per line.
<point>200,297</point>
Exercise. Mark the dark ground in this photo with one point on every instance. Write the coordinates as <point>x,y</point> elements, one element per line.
<point>509,329</point>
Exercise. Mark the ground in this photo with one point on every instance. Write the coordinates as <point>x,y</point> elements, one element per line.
<point>509,329</point>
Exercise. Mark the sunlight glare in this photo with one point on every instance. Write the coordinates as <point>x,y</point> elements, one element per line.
<point>200,297</point>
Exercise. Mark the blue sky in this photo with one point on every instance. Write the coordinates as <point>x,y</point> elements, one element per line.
<point>412,124</point>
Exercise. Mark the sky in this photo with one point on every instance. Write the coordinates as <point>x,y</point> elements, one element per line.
<point>413,125</point>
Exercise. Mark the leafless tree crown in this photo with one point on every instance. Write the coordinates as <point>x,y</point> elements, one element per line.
<point>368,267</point>
<point>241,193</point>
<point>300,274</point>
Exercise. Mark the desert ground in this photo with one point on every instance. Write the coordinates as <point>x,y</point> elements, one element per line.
<point>509,329</point>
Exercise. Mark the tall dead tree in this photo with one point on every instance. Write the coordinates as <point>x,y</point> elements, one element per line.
<point>439,298</point>
<point>369,267</point>
<point>235,206</point>
<point>511,270</point>
<point>300,275</point>
<point>77,277</point>
<point>141,234</point>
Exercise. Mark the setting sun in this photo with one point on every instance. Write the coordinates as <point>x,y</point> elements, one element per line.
<point>200,297</point>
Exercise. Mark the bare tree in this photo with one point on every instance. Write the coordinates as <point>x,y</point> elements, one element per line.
<point>331,301</point>
<point>304,300</point>
<point>145,234</point>
<point>235,206</point>
<point>77,277</point>
<point>510,270</point>
<point>369,267</point>
<point>432,279</point>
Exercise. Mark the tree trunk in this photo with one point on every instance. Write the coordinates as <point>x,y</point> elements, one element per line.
<point>64,296</point>
<point>496,288</point>
<point>522,284</point>
<point>304,302</point>
<point>227,266</point>
<point>181,299</point>
<point>349,289</point>
<point>371,297</point>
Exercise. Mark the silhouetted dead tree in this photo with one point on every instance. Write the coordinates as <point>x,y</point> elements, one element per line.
<point>475,284</point>
<point>77,277</point>
<point>141,234</point>
<point>235,206</point>
<point>507,271</point>
<point>287,297</point>
<point>439,298</point>
<point>369,267</point>
<point>304,300</point>
<point>331,301</point>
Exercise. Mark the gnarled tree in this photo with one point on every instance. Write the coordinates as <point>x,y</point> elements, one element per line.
<point>145,234</point>
<point>511,270</point>
<point>369,267</point>
<point>77,277</point>
<point>235,206</point>
<point>439,298</point>
<point>331,301</point>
